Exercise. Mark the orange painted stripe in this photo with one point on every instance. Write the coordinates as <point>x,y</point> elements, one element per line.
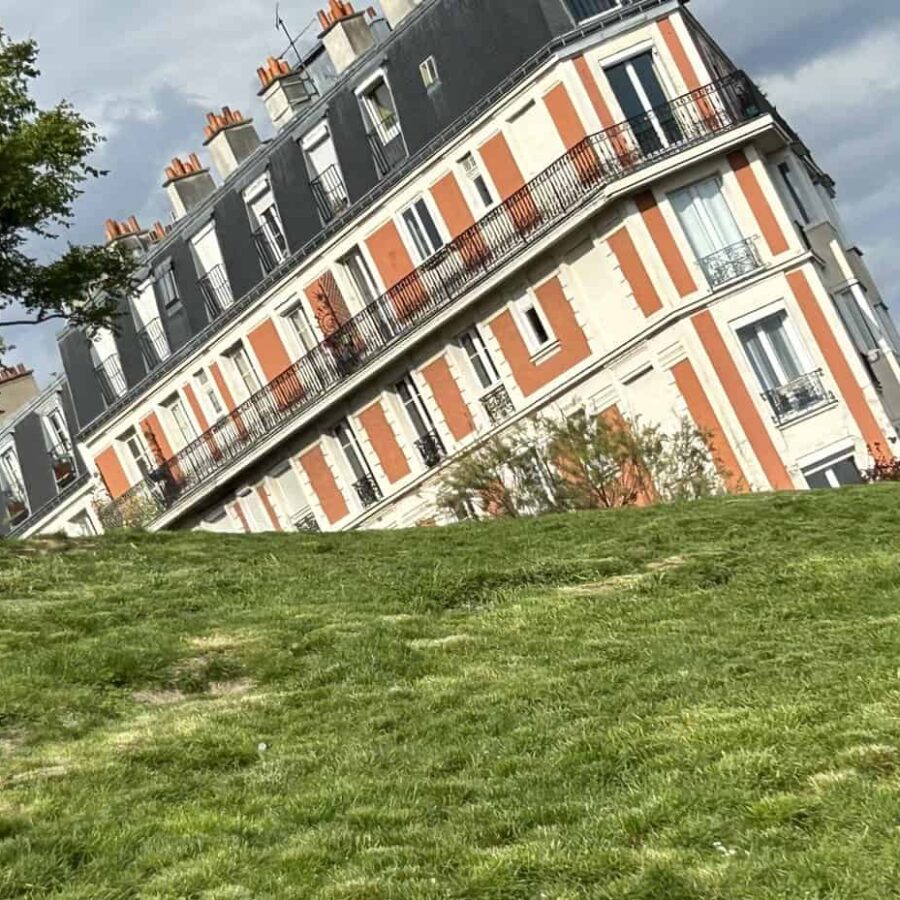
<point>502,166</point>
<point>706,420</point>
<point>196,408</point>
<point>679,54</point>
<point>112,472</point>
<point>242,518</point>
<point>635,273</point>
<point>742,402</point>
<point>762,210</point>
<point>593,91</point>
<point>156,438</point>
<point>269,349</point>
<point>327,303</point>
<point>449,398</point>
<point>452,205</point>
<point>384,442</point>
<point>562,110</point>
<point>270,510</point>
<point>323,483</point>
<point>395,266</point>
<point>665,244</point>
<point>222,385</point>
<point>840,369</point>
<point>574,347</point>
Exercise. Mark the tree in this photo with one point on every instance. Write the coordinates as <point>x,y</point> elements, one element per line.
<point>44,161</point>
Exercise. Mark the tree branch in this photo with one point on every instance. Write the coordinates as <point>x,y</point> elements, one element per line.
<point>39,321</point>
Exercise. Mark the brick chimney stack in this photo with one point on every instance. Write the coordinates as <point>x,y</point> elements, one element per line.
<point>283,90</point>
<point>346,34</point>
<point>127,234</point>
<point>188,184</point>
<point>230,139</point>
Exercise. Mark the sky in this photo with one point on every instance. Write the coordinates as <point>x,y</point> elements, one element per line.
<point>147,72</point>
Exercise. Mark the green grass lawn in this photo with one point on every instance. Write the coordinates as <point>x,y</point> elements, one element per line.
<point>693,702</point>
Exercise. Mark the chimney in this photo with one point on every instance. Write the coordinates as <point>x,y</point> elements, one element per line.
<point>230,139</point>
<point>158,232</point>
<point>187,184</point>
<point>396,11</point>
<point>126,234</point>
<point>283,90</point>
<point>346,33</point>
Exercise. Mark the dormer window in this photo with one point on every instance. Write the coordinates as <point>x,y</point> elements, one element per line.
<point>12,487</point>
<point>325,179</point>
<point>385,136</point>
<point>583,10</point>
<point>151,335</point>
<point>59,446</point>
<point>108,367</point>
<point>429,72</point>
<point>268,232</point>
<point>213,280</point>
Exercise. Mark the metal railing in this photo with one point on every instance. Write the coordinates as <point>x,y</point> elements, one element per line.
<point>216,290</point>
<point>731,263</point>
<point>431,449</point>
<point>62,459</point>
<point>153,343</point>
<point>498,405</point>
<point>15,504</point>
<point>330,194</point>
<point>566,185</point>
<point>368,491</point>
<point>271,246</point>
<point>307,522</point>
<point>797,397</point>
<point>111,379</point>
<point>388,153</point>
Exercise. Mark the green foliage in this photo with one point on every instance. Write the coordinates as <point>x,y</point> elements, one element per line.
<point>580,462</point>
<point>44,162</point>
<point>690,701</point>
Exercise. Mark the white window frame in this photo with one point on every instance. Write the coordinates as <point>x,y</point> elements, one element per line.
<point>131,458</point>
<point>418,402</point>
<point>409,239</point>
<point>184,436</point>
<point>236,375</point>
<point>347,282</point>
<point>483,353</point>
<point>522,306</point>
<point>428,69</point>
<point>56,428</point>
<point>469,181</point>
<point>363,95</point>
<point>11,469</point>
<point>258,191</point>
<point>209,395</point>
<point>793,191</point>
<point>798,345</point>
<point>296,308</point>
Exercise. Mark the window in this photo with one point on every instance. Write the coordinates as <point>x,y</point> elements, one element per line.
<point>482,364</point>
<point>533,324</point>
<point>582,10</point>
<point>888,326</point>
<point>356,267</point>
<point>291,499</point>
<point>10,473</point>
<point>213,279</point>
<point>833,473</point>
<point>783,374</point>
<point>268,232</point>
<point>789,180</point>
<point>168,288</point>
<point>137,452</point>
<point>81,525</point>
<point>429,73</point>
<point>378,103</point>
<point>476,179</point>
<point>184,425</point>
<point>422,230</point>
<point>857,323</point>
<point>243,369</point>
<point>208,392</point>
<point>364,481</point>
<point>644,104</point>
<point>300,327</point>
<point>428,442</point>
<point>57,431</point>
<point>325,177</point>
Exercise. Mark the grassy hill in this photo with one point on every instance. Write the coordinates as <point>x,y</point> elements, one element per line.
<point>694,702</point>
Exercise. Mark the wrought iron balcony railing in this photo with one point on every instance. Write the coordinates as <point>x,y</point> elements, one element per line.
<point>587,9</point>
<point>431,449</point>
<point>63,461</point>
<point>368,491</point>
<point>387,152</point>
<point>506,231</point>
<point>307,522</point>
<point>797,397</point>
<point>731,263</point>
<point>111,379</point>
<point>330,194</point>
<point>498,405</point>
<point>216,290</point>
<point>271,246</point>
<point>153,343</point>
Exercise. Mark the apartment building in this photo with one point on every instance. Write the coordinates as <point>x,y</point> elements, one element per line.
<point>470,215</point>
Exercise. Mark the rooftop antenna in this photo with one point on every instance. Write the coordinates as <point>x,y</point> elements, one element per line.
<point>279,24</point>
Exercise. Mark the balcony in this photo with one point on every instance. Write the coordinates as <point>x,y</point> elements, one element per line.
<point>271,246</point>
<point>387,145</point>
<point>153,343</point>
<point>12,497</point>
<point>111,379</point>
<point>368,491</point>
<point>431,449</point>
<point>582,10</point>
<point>330,194</point>
<point>63,462</point>
<point>216,290</point>
<point>507,231</point>
<point>731,263</point>
<point>498,405</point>
<point>798,397</point>
<point>307,522</point>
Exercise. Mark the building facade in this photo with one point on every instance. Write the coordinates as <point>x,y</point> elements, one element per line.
<point>469,215</point>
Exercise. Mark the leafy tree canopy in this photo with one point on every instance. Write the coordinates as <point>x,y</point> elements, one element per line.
<point>44,162</point>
